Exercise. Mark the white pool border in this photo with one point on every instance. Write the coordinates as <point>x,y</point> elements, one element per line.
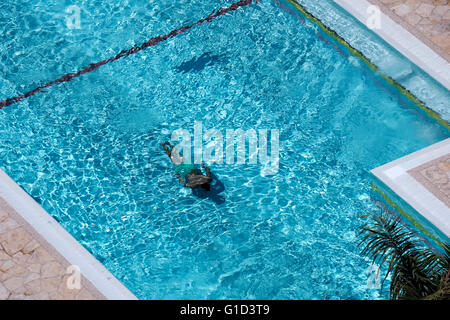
<point>402,40</point>
<point>395,175</point>
<point>49,229</point>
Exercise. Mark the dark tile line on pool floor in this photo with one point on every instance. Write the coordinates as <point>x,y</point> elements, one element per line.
<point>125,53</point>
<point>222,11</point>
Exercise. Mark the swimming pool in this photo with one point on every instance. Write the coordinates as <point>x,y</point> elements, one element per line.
<point>88,150</point>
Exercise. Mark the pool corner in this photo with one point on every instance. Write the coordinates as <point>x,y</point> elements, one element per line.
<point>419,179</point>
<point>34,243</point>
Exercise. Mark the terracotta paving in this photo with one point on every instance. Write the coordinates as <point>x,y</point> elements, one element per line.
<point>435,176</point>
<point>30,269</point>
<point>428,20</point>
<point>422,179</point>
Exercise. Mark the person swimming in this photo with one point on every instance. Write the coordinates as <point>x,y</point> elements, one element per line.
<point>189,174</point>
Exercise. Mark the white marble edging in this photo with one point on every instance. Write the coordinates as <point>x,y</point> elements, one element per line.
<point>402,40</point>
<point>62,241</point>
<point>396,177</point>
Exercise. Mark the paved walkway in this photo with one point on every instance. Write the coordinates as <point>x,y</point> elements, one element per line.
<point>435,176</point>
<point>30,269</point>
<point>428,20</point>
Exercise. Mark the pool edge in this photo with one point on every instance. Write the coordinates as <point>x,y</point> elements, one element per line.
<point>395,175</point>
<point>430,112</point>
<point>432,62</point>
<point>61,243</point>
<point>403,40</point>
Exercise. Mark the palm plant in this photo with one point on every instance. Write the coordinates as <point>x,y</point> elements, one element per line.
<point>417,272</point>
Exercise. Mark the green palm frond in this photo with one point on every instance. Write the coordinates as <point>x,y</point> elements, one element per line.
<point>416,273</point>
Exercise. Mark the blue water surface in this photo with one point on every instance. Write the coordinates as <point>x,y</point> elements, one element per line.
<point>89,152</point>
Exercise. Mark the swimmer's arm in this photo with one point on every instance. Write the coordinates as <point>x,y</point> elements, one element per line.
<point>166,149</point>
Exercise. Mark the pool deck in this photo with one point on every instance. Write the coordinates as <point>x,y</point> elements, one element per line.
<point>420,30</point>
<point>36,253</point>
<point>407,38</point>
<point>428,20</point>
<point>422,179</point>
<point>27,269</point>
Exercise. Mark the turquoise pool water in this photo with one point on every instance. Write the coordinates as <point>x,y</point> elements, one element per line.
<point>88,150</point>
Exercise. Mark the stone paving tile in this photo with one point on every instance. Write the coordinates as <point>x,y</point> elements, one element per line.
<point>429,20</point>
<point>28,271</point>
<point>435,176</point>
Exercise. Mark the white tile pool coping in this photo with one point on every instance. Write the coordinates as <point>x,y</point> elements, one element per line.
<point>402,40</point>
<point>395,175</point>
<point>62,241</point>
